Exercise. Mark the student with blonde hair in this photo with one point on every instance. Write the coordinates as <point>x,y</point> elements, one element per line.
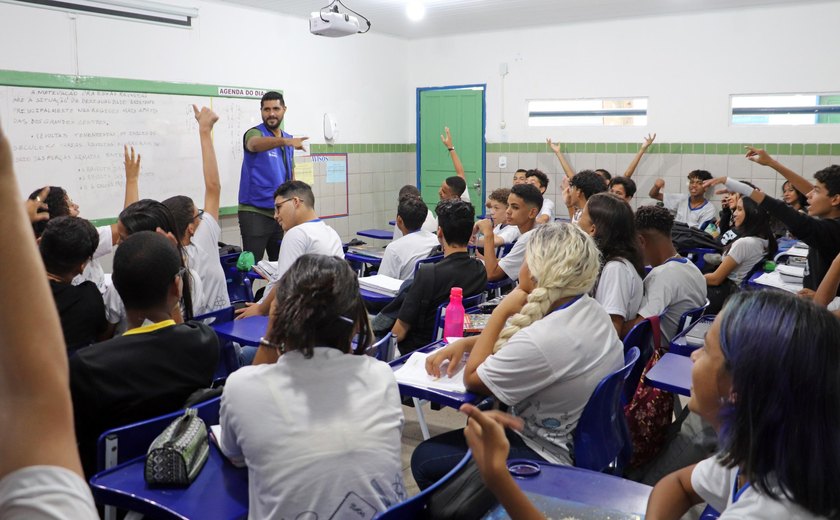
<point>544,350</point>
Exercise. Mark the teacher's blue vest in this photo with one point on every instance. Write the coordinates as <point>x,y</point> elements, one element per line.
<point>263,172</point>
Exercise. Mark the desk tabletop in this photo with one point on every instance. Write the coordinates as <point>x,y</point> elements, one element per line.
<point>672,373</point>
<point>381,234</point>
<point>375,297</point>
<point>566,491</point>
<point>443,397</point>
<point>359,257</point>
<point>246,331</point>
<point>220,491</point>
<point>679,345</point>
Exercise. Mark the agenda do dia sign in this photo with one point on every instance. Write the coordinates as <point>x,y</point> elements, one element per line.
<point>241,92</point>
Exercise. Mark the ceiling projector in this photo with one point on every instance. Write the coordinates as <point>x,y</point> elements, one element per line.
<point>333,24</point>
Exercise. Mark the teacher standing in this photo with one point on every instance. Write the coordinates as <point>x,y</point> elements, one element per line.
<point>268,162</point>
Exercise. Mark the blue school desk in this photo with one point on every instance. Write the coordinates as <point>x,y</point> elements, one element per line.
<point>672,373</point>
<point>375,297</point>
<point>220,491</point>
<point>679,345</point>
<point>379,234</point>
<point>247,331</point>
<point>363,259</point>
<point>566,491</point>
<point>451,399</point>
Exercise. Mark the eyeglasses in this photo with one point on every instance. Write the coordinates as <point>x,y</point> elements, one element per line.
<point>278,204</point>
<point>199,215</point>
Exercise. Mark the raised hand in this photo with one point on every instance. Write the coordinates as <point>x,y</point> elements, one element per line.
<point>648,141</point>
<point>132,163</point>
<point>758,155</point>
<point>447,139</point>
<point>554,146</point>
<point>206,117</point>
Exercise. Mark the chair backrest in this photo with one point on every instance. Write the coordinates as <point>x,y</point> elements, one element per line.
<point>641,337</point>
<point>384,350</point>
<point>216,317</point>
<point>415,506</point>
<point>601,434</point>
<point>690,316</point>
<point>238,284</point>
<point>228,357</point>
<point>440,315</point>
<point>428,260</point>
<point>118,445</point>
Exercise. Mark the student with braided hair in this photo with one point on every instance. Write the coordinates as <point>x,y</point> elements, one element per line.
<point>544,350</point>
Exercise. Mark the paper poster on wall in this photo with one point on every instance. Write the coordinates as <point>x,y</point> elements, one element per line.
<point>336,171</point>
<point>305,171</point>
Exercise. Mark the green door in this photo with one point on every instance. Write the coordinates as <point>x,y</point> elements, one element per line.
<point>462,110</point>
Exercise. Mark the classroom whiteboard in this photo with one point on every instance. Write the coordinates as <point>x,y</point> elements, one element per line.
<point>69,131</point>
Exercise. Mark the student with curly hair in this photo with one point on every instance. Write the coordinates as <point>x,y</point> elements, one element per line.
<point>609,220</point>
<point>545,349</point>
<point>692,208</point>
<point>316,421</point>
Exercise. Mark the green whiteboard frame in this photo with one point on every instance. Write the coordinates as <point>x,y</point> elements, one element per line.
<point>15,78</point>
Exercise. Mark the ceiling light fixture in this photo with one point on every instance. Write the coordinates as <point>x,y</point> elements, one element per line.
<point>415,10</point>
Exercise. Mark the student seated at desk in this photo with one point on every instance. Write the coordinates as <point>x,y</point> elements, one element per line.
<point>151,215</point>
<point>152,368</point>
<point>199,229</point>
<point>693,208</point>
<point>415,322</point>
<point>496,208</point>
<point>609,220</point>
<point>524,203</point>
<point>820,228</point>
<point>582,186</point>
<point>540,180</point>
<point>557,346</point>
<point>59,204</point>
<point>66,245</point>
<point>768,379</point>
<point>303,233</point>
<point>430,224</point>
<point>755,242</point>
<point>40,473</point>
<point>624,187</point>
<point>317,423</point>
<point>674,284</point>
<point>401,254</point>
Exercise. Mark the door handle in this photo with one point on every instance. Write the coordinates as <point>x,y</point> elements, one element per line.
<point>477,184</point>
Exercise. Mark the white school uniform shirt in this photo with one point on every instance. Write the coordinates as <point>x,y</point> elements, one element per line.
<point>547,209</point>
<point>115,308</point>
<point>512,262</point>
<point>676,285</point>
<point>320,436</point>
<point>93,271</point>
<point>313,237</point>
<point>716,483</point>
<point>203,257</point>
<point>620,289</point>
<point>508,233</point>
<point>547,372</point>
<point>693,217</point>
<point>401,254</point>
<point>430,225</point>
<point>45,493</point>
<point>746,251</point>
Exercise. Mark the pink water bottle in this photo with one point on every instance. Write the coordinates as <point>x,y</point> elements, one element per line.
<point>453,324</point>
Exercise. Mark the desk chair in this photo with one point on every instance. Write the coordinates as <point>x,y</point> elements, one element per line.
<point>384,350</point>
<point>238,284</point>
<point>696,255</point>
<point>428,260</point>
<point>601,437</point>
<point>228,357</point>
<point>118,445</point>
<point>692,315</point>
<point>470,305</point>
<point>641,337</point>
<point>416,506</point>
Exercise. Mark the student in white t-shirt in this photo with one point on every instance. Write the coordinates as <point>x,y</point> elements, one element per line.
<point>430,224</point>
<point>540,180</point>
<point>402,254</point>
<point>583,185</point>
<point>317,423</point>
<point>674,284</point>
<point>496,210</point>
<point>544,350</point>
<point>524,203</point>
<point>768,379</point>
<point>303,233</point>
<point>692,208</point>
<point>199,229</point>
<point>609,220</point>
<point>40,471</point>
<point>755,242</point>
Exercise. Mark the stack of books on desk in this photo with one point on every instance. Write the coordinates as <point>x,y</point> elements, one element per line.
<point>381,284</point>
<point>266,269</point>
<point>367,250</point>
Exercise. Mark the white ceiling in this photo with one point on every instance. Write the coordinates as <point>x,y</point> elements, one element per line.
<point>451,17</point>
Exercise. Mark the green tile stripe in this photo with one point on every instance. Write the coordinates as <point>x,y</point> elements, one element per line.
<point>671,148</point>
<point>362,148</point>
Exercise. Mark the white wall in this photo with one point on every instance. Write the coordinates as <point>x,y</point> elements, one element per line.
<point>687,65</point>
<point>359,79</point>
